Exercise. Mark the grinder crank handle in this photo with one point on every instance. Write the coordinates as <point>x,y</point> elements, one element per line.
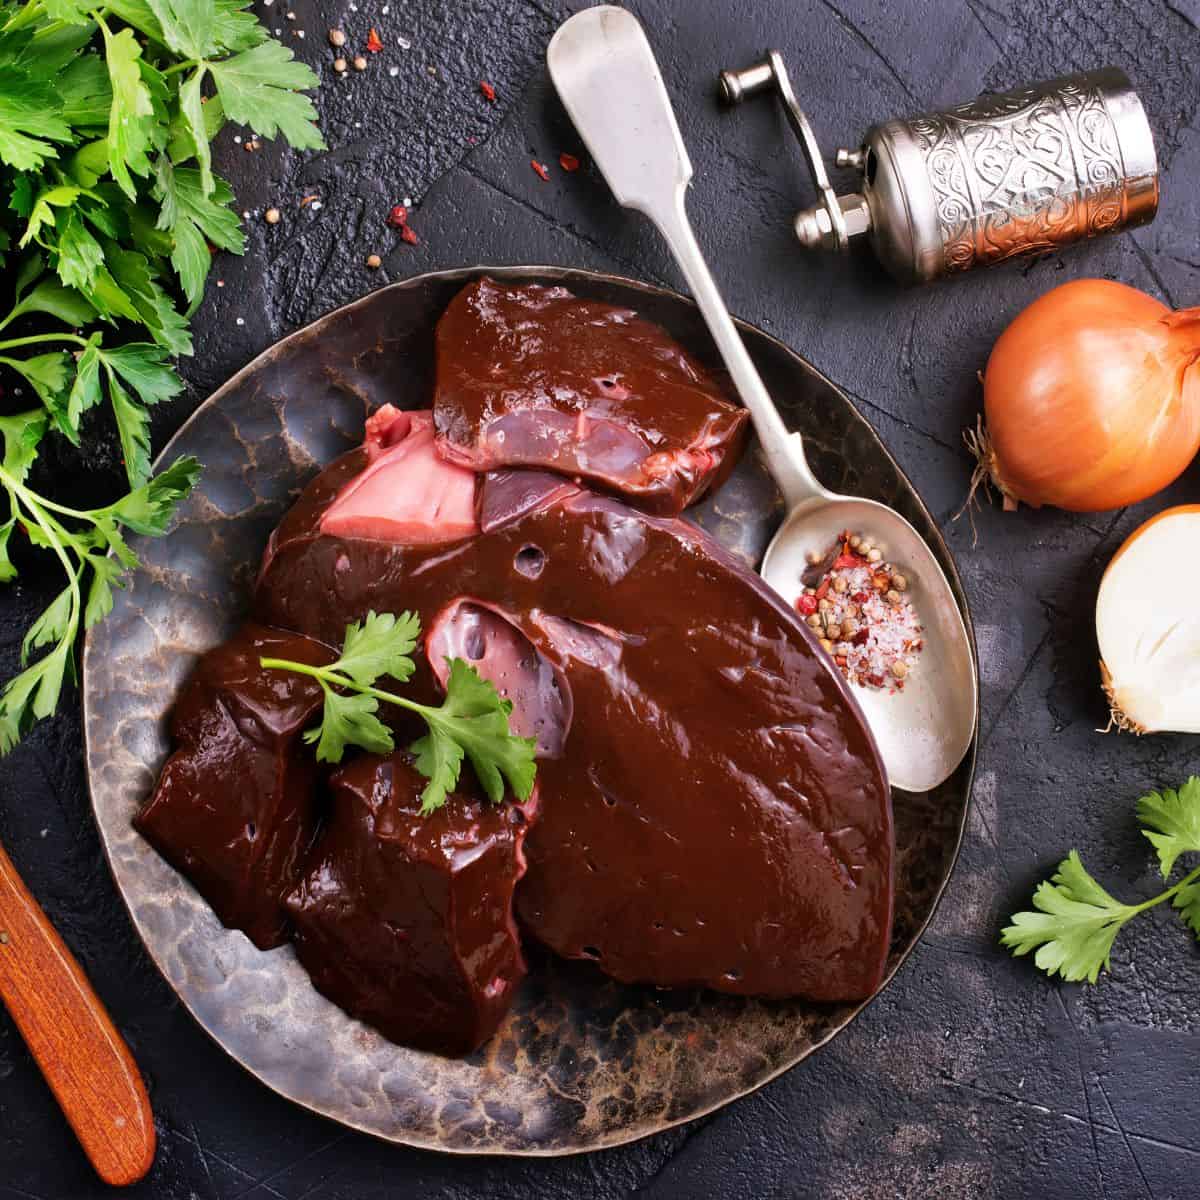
<point>64,1024</point>
<point>609,82</point>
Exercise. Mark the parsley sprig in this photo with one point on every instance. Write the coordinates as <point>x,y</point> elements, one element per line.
<point>109,215</point>
<point>471,723</point>
<point>1077,921</point>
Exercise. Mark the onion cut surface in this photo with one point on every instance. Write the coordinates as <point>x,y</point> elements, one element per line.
<point>1148,626</point>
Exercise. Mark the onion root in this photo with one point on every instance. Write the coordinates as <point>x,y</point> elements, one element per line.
<point>1117,719</point>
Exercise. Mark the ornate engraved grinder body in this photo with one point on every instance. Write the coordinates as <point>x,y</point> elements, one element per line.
<point>1021,172</point>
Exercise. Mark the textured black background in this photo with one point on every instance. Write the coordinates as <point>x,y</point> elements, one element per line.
<point>972,1075</point>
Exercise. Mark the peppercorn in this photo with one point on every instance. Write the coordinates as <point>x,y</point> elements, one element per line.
<point>271,216</point>
<point>893,596</point>
<point>899,668</point>
<point>360,63</point>
<point>899,582</point>
<point>874,555</point>
<point>374,261</point>
<point>826,645</point>
<point>813,557</point>
<point>840,584</point>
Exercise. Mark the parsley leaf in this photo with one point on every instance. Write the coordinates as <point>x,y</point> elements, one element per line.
<point>349,720</point>
<point>1187,900</point>
<point>1076,921</point>
<point>260,87</point>
<point>149,508</point>
<point>1075,926</point>
<point>195,218</point>
<point>439,758</point>
<point>475,717</point>
<point>472,722</point>
<point>381,645</point>
<point>1174,820</point>
<point>132,112</point>
<point>187,25</point>
<point>30,121</point>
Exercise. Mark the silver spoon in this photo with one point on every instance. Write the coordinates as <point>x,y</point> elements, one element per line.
<point>609,82</point>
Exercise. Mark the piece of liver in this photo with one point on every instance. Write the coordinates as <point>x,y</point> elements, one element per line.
<point>406,921</point>
<point>235,805</point>
<point>532,376</point>
<point>719,814</point>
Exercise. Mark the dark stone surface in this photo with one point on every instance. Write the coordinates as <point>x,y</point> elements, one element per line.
<point>972,1076</point>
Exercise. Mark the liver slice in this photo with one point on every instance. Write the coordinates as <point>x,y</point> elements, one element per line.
<point>531,376</point>
<point>235,805</point>
<point>406,921</point>
<point>719,813</point>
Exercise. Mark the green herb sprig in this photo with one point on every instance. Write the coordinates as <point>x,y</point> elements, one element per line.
<point>109,214</point>
<point>472,721</point>
<point>1077,921</point>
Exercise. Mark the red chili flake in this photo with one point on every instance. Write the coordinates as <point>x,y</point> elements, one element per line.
<point>407,234</point>
<point>861,597</point>
<point>397,218</point>
<point>806,605</point>
<point>823,588</point>
<point>847,560</point>
<point>489,92</point>
<point>374,41</point>
<point>541,170</point>
<point>568,162</point>
<point>860,638</point>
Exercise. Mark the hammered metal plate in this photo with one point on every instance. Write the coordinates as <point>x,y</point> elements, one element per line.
<point>582,1062</point>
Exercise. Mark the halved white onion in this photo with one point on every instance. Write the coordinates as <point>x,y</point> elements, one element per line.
<point>1148,626</point>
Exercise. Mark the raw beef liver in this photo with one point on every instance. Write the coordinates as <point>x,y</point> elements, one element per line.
<point>406,921</point>
<point>235,805</point>
<point>718,814</point>
<point>531,376</point>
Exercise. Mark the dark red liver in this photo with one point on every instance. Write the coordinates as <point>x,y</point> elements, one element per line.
<point>406,921</point>
<point>719,814</point>
<point>531,376</point>
<point>235,805</point>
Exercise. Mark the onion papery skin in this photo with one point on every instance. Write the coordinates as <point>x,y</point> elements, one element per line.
<point>1092,398</point>
<point>1148,626</point>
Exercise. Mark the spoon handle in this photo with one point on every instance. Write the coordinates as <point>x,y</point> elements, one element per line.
<point>606,75</point>
<point>81,1054</point>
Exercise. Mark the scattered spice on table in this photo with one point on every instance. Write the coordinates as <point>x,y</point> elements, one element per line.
<point>540,169</point>
<point>337,37</point>
<point>397,216</point>
<point>360,62</point>
<point>374,262</point>
<point>409,235</point>
<point>271,216</point>
<point>314,200</point>
<point>489,92</point>
<point>568,162</point>
<point>857,607</point>
<point>340,65</point>
<point>374,41</point>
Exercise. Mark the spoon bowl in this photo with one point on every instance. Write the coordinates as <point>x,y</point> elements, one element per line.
<point>924,730</point>
<point>605,73</point>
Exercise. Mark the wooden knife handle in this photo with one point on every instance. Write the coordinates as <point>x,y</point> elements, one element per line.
<point>83,1057</point>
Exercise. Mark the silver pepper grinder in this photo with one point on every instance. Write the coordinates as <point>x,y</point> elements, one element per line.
<point>1008,174</point>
